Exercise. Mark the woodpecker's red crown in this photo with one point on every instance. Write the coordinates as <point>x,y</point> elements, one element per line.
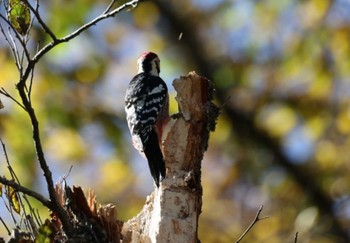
<point>149,63</point>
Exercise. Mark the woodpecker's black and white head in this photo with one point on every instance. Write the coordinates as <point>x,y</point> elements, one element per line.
<point>149,63</point>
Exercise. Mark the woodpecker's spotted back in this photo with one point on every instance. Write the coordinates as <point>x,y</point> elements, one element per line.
<point>146,106</point>
<point>144,100</point>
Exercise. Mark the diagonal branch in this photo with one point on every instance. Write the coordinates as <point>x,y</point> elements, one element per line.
<point>255,220</point>
<point>57,41</point>
<point>77,32</point>
<point>15,179</point>
<point>109,7</point>
<point>18,37</point>
<point>131,4</point>
<point>54,204</point>
<point>26,191</point>
<point>35,11</point>
<point>5,93</point>
<point>12,47</point>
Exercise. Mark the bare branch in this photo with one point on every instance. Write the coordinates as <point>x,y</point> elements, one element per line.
<point>13,48</point>
<point>109,7</point>
<point>16,52</point>
<point>15,178</point>
<point>31,84</point>
<point>256,219</point>
<point>35,11</point>
<point>18,36</point>
<point>5,93</point>
<point>55,42</point>
<point>18,187</point>
<point>9,209</point>
<point>7,229</point>
<point>55,205</point>
<point>27,191</point>
<point>14,45</point>
<point>67,38</point>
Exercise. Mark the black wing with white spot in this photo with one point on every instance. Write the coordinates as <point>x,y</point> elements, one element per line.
<point>145,97</point>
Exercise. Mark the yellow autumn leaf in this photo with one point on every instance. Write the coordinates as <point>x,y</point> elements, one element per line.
<point>13,199</point>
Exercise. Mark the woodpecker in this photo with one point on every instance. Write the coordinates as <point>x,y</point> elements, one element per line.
<point>147,112</point>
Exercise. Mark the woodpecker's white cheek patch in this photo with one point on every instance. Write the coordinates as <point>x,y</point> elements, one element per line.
<point>155,67</point>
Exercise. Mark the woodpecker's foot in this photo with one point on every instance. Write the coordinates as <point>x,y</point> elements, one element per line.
<point>176,115</point>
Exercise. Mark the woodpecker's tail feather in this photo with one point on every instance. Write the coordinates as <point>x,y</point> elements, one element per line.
<point>155,158</point>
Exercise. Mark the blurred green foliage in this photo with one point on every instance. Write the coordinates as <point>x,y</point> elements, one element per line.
<point>281,70</point>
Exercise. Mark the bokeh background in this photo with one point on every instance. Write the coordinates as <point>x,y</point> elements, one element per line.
<point>281,70</point>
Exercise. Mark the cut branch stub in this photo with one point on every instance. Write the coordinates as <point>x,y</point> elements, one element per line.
<point>171,212</point>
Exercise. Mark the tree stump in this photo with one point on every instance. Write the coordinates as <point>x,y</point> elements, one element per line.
<point>171,212</point>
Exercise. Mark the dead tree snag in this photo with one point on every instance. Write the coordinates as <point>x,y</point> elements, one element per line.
<point>171,212</point>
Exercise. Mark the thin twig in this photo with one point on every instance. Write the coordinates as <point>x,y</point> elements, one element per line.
<point>67,174</point>
<point>18,36</point>
<point>256,219</point>
<point>5,93</point>
<point>296,237</point>
<point>14,53</point>
<point>109,6</point>
<point>9,208</point>
<point>31,84</point>
<point>31,79</point>
<point>7,229</point>
<point>35,11</point>
<point>15,178</point>
<point>132,4</point>
<point>15,48</point>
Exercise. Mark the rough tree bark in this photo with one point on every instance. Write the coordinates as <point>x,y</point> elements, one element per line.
<point>171,212</point>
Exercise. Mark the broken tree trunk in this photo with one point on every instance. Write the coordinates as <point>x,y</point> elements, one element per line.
<point>171,212</point>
